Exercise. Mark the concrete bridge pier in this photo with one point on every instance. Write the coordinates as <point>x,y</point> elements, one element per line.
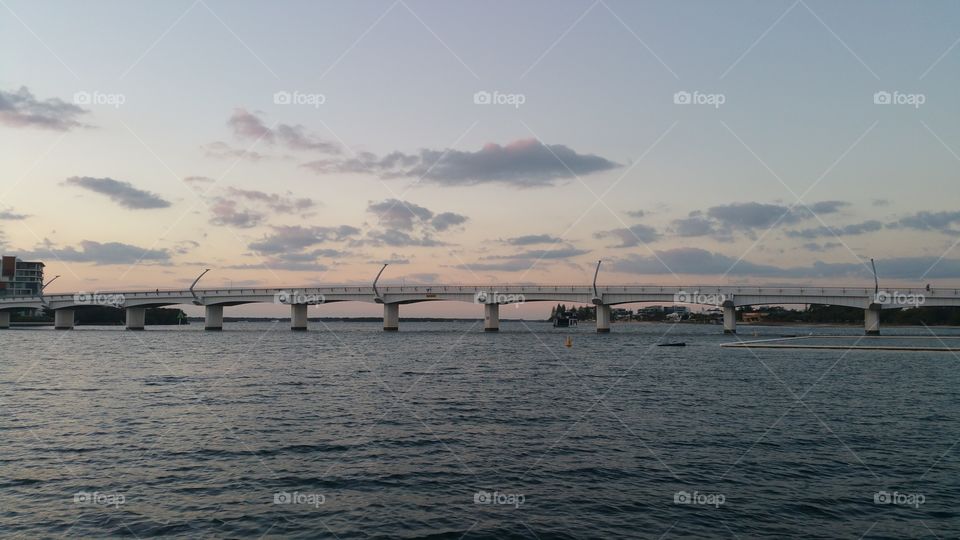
<point>214,318</point>
<point>491,317</point>
<point>729,319</point>
<point>4,320</point>
<point>391,317</point>
<point>63,319</point>
<point>603,319</point>
<point>298,317</point>
<point>871,319</point>
<point>136,318</point>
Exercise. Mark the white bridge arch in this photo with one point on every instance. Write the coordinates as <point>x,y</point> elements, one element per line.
<point>490,296</point>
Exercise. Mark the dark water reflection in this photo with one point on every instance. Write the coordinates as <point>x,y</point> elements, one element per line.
<point>359,433</point>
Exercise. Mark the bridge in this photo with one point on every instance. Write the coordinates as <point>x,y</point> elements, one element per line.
<point>491,297</point>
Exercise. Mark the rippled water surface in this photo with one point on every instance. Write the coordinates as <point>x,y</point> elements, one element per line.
<point>443,431</point>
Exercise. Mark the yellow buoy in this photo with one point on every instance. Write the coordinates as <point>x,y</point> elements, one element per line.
<point>569,342</point>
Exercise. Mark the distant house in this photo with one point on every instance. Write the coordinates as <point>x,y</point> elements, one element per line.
<point>19,277</point>
<point>755,316</point>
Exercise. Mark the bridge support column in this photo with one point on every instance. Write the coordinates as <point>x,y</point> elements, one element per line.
<point>603,319</point>
<point>391,317</point>
<point>214,318</point>
<point>491,317</point>
<point>298,317</point>
<point>4,320</point>
<point>729,319</point>
<point>136,318</point>
<point>871,319</point>
<point>63,319</point>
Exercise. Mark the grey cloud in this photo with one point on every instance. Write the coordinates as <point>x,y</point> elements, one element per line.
<point>632,236</point>
<point>296,262</point>
<point>22,109</point>
<point>221,150</point>
<point>754,215</point>
<point>523,260</point>
<point>226,208</point>
<point>565,252</point>
<point>408,224</point>
<point>101,253</point>
<point>278,203</point>
<point>399,214</point>
<point>722,221</point>
<point>290,266</point>
<point>637,214</point>
<point>247,125</point>
<point>122,193</point>
<point>295,238</point>
<point>532,239</point>
<point>695,261</point>
<point>199,180</point>
<point>827,207</point>
<point>186,246</point>
<point>813,246</point>
<point>522,163</point>
<point>694,225</point>
<point>10,215</point>
<point>444,221</point>
<point>844,230</point>
<point>930,221</point>
<point>227,213</point>
<point>395,258</point>
<point>398,238</point>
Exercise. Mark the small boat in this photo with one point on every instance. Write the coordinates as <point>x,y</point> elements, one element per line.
<point>672,344</point>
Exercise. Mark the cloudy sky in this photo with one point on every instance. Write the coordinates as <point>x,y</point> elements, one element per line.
<point>494,142</point>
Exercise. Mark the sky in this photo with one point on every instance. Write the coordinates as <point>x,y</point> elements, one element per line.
<point>308,143</point>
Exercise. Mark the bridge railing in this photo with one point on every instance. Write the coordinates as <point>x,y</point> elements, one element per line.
<point>504,288</point>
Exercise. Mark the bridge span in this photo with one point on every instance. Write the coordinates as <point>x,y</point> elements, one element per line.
<point>491,297</point>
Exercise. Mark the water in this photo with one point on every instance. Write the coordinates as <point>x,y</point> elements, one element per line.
<point>192,434</point>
